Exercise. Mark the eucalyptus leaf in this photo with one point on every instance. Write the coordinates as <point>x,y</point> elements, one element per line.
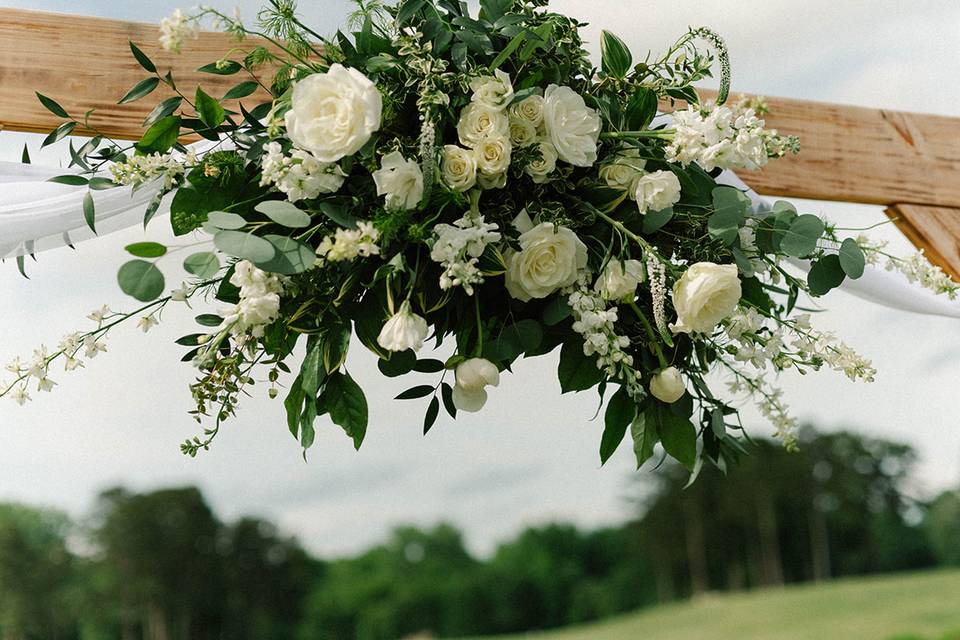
<point>226,220</point>
<point>825,274</point>
<point>730,208</point>
<point>244,245</point>
<point>203,264</point>
<point>852,259</point>
<point>284,213</point>
<point>801,238</point>
<point>146,249</point>
<point>291,256</point>
<point>141,279</point>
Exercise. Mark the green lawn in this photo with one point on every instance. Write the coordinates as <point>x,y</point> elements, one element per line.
<point>910,606</point>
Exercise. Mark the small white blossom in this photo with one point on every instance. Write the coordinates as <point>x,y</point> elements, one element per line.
<point>259,303</point>
<point>139,170</point>
<point>147,322</point>
<point>301,176</point>
<point>458,248</point>
<point>348,244</point>
<point>175,30</point>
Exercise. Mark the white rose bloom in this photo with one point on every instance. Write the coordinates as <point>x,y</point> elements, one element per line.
<point>705,295</point>
<point>479,121</point>
<point>493,156</point>
<point>656,191</point>
<point>624,171</point>
<point>571,125</point>
<point>333,114</point>
<point>619,279</point>
<point>404,330</point>
<point>522,132</point>
<point>494,91</point>
<point>400,180</point>
<point>541,169</point>
<point>458,166</point>
<point>492,180</point>
<point>472,378</point>
<point>529,109</point>
<point>549,259</point>
<point>667,385</point>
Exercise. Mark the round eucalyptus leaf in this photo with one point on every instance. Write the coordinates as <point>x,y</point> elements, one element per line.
<point>802,236</point>
<point>225,220</point>
<point>204,264</point>
<point>284,214</point>
<point>141,279</point>
<point>292,256</point>
<point>244,245</point>
<point>852,259</point>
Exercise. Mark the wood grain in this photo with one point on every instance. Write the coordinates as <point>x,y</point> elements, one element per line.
<point>83,63</point>
<point>935,229</point>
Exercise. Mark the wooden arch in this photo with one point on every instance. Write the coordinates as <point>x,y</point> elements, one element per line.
<point>907,162</point>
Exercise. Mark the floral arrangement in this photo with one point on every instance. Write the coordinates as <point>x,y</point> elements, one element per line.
<point>475,183</point>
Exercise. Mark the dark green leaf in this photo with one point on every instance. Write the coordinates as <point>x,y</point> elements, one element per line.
<point>556,312</point>
<point>244,245</point>
<point>291,257</point>
<point>161,136</point>
<point>399,363</point>
<point>141,279</point>
<point>52,106</point>
<point>89,211</point>
<point>338,214</point>
<point>347,405</point>
<point>204,264</point>
<point>101,184</point>
<point>446,392</point>
<point>643,431</point>
<point>293,403</point>
<point>408,9</point>
<point>433,410</point>
<point>71,179</point>
<point>801,238</point>
<point>640,109</point>
<point>678,436</point>
<point>852,259</point>
<point>227,68</point>
<point>58,134</point>
<point>25,156</point>
<point>620,412</point>
<point>419,391</point>
<point>142,58</point>
<point>825,274</point>
<point>209,320</point>
<point>162,110</point>
<point>654,220</point>
<point>146,249</point>
<point>242,90</point>
<point>576,371</point>
<point>209,109</point>
<point>139,90</point>
<point>616,59</point>
<point>428,365</point>
<point>730,207</point>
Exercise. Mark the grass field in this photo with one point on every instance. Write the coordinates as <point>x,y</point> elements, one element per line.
<point>910,606</point>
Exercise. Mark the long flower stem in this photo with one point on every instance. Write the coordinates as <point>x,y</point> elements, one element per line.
<point>651,333</point>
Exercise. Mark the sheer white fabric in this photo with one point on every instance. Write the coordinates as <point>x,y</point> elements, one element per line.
<point>36,215</point>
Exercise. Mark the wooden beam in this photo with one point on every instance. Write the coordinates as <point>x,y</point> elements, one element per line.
<point>83,63</point>
<point>936,229</point>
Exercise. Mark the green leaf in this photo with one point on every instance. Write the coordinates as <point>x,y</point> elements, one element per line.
<point>852,259</point>
<point>615,56</point>
<point>203,264</point>
<point>825,274</point>
<point>142,58</point>
<point>293,403</point>
<point>291,257</point>
<point>161,136</point>
<point>347,405</point>
<point>409,9</point>
<point>654,220</point>
<point>52,106</point>
<point>678,436</point>
<point>284,213</point>
<point>141,279</point>
<point>620,412</point>
<point>718,423</point>
<point>139,90</point>
<point>517,338</point>
<point>433,410</point>
<point>643,431</point>
<point>146,249</point>
<point>58,134</point>
<point>209,320</point>
<point>802,236</point>
<point>508,50</point>
<point>25,156</point>
<point>101,184</point>
<point>419,391</point>
<point>640,109</point>
<point>730,207</point>
<point>89,211</point>
<point>228,68</point>
<point>399,363</point>
<point>429,365</point>
<point>242,90</point>
<point>576,371</point>
<point>244,245</point>
<point>162,110</point>
<point>71,179</point>
<point>209,109</point>
<point>338,214</point>
<point>226,220</point>
<point>556,312</point>
<point>446,393</point>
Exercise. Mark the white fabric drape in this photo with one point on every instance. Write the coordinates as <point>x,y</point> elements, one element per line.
<point>36,215</point>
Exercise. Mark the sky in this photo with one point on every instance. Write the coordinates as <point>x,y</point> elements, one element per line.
<point>531,456</point>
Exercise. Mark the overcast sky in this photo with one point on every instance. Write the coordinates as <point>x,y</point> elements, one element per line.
<point>530,456</point>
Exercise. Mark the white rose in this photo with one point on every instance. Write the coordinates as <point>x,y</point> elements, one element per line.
<point>706,294</point>
<point>458,167</point>
<point>619,280</point>
<point>549,259</point>
<point>495,91</point>
<point>571,125</point>
<point>492,180</point>
<point>333,114</point>
<point>493,156</point>
<point>624,171</point>
<point>404,330</point>
<point>400,180</point>
<point>541,169</point>
<point>522,132</point>
<point>479,121</point>
<point>529,109</point>
<point>472,378</point>
<point>656,191</point>
<point>667,385</point>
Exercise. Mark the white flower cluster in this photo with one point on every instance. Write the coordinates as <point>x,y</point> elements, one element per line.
<point>652,191</point>
<point>259,300</point>
<point>770,402</point>
<point>484,129</point>
<point>38,367</point>
<point>758,344</point>
<point>657,275</point>
<point>595,322</point>
<point>300,175</point>
<point>348,244</point>
<point>175,29</point>
<point>722,138</point>
<point>458,248</point>
<point>139,170</point>
<point>918,269</point>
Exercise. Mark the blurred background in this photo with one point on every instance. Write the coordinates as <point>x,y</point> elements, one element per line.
<point>503,521</point>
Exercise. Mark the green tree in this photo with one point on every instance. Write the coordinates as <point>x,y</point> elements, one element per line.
<point>942,525</point>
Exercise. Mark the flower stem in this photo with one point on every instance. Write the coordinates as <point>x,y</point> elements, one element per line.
<point>649,133</point>
<point>650,332</point>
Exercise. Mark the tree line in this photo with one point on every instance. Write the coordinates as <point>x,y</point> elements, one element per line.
<point>160,565</point>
